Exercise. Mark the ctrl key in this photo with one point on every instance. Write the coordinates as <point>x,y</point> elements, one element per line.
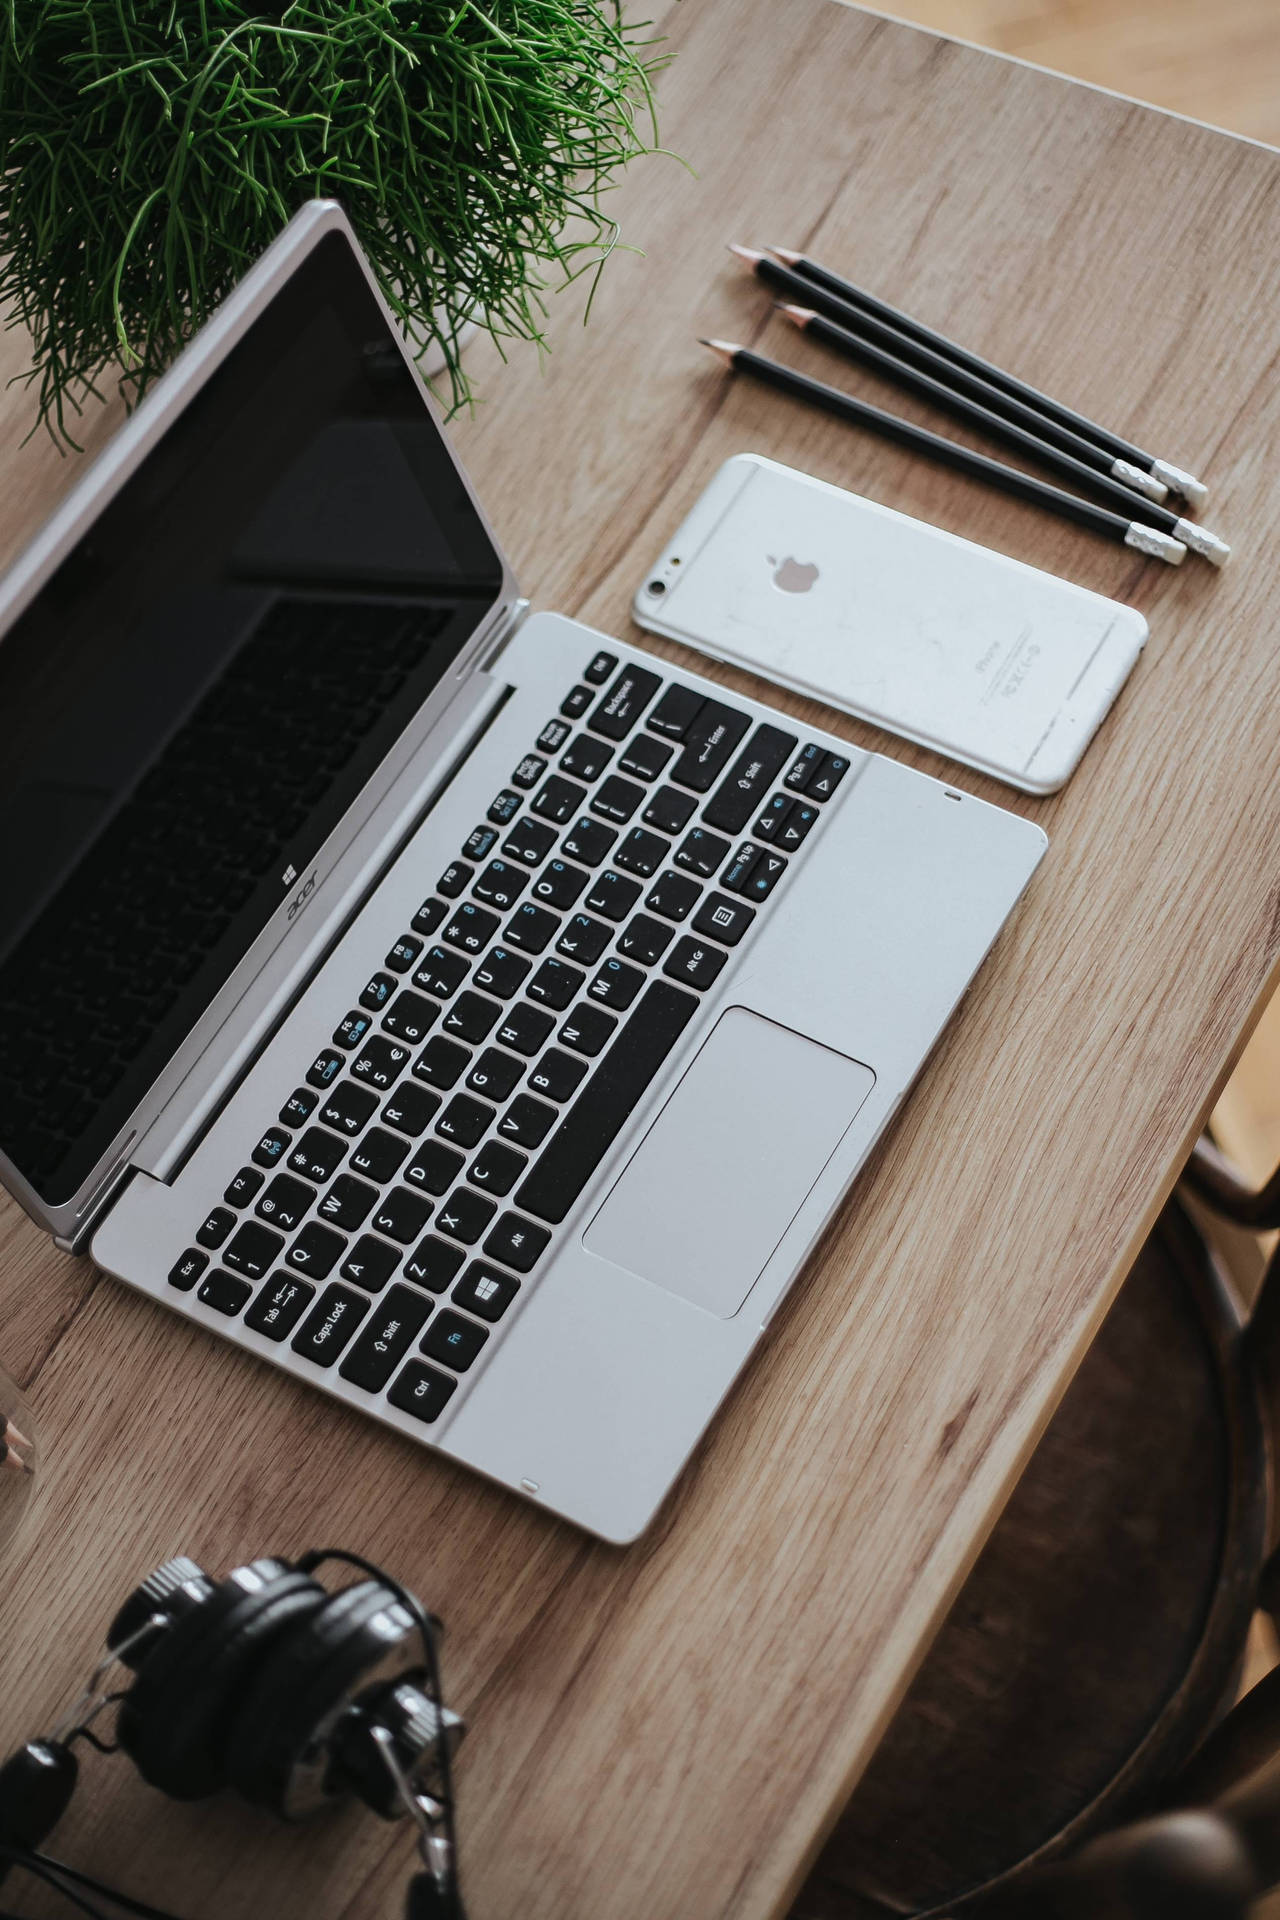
<point>279,1306</point>
<point>422,1391</point>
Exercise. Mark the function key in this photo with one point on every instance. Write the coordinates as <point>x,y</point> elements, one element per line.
<point>674,712</point>
<point>224,1291</point>
<point>279,1307</point>
<point>370,1263</point>
<point>793,829</point>
<point>738,872</point>
<point>253,1248</point>
<point>559,799</point>
<point>803,768</point>
<point>477,845</point>
<point>428,916</point>
<point>584,939</point>
<point>347,1108</point>
<point>502,973</point>
<point>576,702</point>
<point>299,1107</point>
<point>529,771</point>
<point>506,806</point>
<point>707,746</point>
<point>453,1340</point>
<point>618,710</point>
<point>324,1069</point>
<point>381,1063</point>
<point>486,1292</point>
<point>501,884</point>
<point>587,758</point>
<point>464,1216</point>
<point>329,1325</point>
<point>516,1242</point>
<point>724,919</point>
<point>701,852</point>
<point>411,1018</point>
<point>351,1030</point>
<point>695,963</point>
<point>600,666</point>
<point>530,841</point>
<point>668,810</point>
<point>588,1030</point>
<point>613,895</point>
<point>315,1250</point>
<point>272,1147</point>
<point>673,895</point>
<point>496,1168</point>
<point>587,840</point>
<point>749,779</point>
<point>553,736</point>
<point>422,1391</point>
<point>642,852</point>
<point>644,940</point>
<point>241,1190</point>
<point>646,757</point>
<point>831,771</point>
<point>395,1325</point>
<point>184,1274</point>
<point>433,1263</point>
<point>284,1203</point>
<point>557,1076</point>
<point>617,799</point>
<point>455,879</point>
<point>379,990</point>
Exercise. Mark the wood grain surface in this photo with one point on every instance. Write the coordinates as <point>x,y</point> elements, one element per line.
<point>669,1730</point>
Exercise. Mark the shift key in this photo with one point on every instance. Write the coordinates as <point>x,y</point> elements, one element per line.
<point>710,740</point>
<point>749,779</point>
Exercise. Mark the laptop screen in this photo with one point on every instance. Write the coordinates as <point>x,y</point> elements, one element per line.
<point>202,689</point>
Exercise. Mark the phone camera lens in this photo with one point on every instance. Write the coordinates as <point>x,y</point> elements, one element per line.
<point>657,586</point>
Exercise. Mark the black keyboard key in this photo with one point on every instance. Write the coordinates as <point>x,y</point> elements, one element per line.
<point>617,799</point>
<point>403,954</point>
<point>584,938</point>
<point>379,990</point>
<point>803,768</point>
<point>324,1069</point>
<point>588,1030</point>
<point>502,973</point>
<point>284,1204</point>
<point>774,817</point>
<point>329,1325</point>
<point>645,757</point>
<point>616,984</point>
<point>348,1108</point>
<point>739,869</point>
<point>484,1291</point>
<point>409,1110</point>
<point>675,711</point>
<point>253,1249</point>
<point>527,1121</point>
<point>472,927</point>
<point>642,852</point>
<point>272,1147</point>
<point>555,983</point>
<point>532,927</point>
<point>213,1230</point>
<point>370,1263</point>
<point>529,771</point>
<point>587,758</point>
<point>724,919</point>
<point>749,779</point>
<point>707,746</point>
<point>441,1063</point>
<point>411,1018</point>
<point>441,973</point>
<point>702,852</point>
<point>453,1340</point>
<point>559,884</point>
<point>224,1291</point>
<point>471,1017</point>
<point>347,1202</point>
<point>525,1028</point>
<point>644,940</point>
<point>381,1063</point>
<point>464,1120</point>
<point>352,1030</point>
<point>530,841</point>
<point>396,1323</point>
<point>279,1306</point>
<point>576,702</point>
<point>494,1074</point>
<point>695,963</point>
<point>517,1243</point>
<point>500,885</point>
<point>557,1075</point>
<point>433,1263</point>
<point>242,1188</point>
<point>456,878</point>
<point>764,876</point>
<point>422,1391</point>
<point>613,895</point>
<point>317,1155</point>
<point>402,1215</point>
<point>559,799</point>
<point>668,810</point>
<point>673,896</point>
<point>599,667</point>
<point>298,1108</point>
<point>315,1251</point>
<point>505,806</point>
<point>831,771</point>
<point>496,1168</point>
<point>588,841</point>
<point>477,846</point>
<point>618,710</point>
<point>378,1156</point>
<point>792,830</point>
<point>428,916</point>
<point>553,736</point>
<point>187,1270</point>
<point>464,1216</point>
<point>606,1102</point>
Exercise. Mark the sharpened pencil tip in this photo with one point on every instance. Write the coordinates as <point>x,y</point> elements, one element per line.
<point>751,255</point>
<point>725,348</point>
<point>801,315</point>
<point>786,254</point>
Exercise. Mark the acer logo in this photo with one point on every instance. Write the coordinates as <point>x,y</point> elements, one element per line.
<point>302,896</point>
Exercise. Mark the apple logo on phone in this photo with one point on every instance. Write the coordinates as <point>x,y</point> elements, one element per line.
<point>792,576</point>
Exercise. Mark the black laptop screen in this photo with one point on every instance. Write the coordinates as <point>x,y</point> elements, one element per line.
<point>201,691</point>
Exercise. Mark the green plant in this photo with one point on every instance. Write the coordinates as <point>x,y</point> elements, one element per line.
<point>150,149</point>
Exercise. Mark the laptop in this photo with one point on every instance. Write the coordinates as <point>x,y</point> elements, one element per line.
<point>469,1013</point>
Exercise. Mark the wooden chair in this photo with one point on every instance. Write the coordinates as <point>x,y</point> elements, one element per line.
<point>1101,1635</point>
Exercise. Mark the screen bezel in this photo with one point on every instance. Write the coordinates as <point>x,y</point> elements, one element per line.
<point>289,931</point>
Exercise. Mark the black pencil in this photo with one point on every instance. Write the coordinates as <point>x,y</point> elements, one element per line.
<point>832,286</point>
<point>856,346</point>
<point>1130,533</point>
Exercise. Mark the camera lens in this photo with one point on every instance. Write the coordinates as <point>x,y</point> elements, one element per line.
<point>657,586</point>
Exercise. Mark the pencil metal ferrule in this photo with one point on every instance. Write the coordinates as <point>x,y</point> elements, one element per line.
<point>1178,480</point>
<point>1156,545</point>
<point>1144,483</point>
<point>1201,541</point>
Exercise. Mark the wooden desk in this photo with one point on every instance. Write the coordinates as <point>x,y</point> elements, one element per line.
<point>667,1730</point>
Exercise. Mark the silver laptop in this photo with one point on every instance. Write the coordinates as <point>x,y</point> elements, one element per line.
<point>464,1011</point>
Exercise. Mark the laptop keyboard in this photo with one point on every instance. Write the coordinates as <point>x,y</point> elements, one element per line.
<point>415,1178</point>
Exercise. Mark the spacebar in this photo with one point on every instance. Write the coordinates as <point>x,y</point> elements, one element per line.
<point>602,1109</point>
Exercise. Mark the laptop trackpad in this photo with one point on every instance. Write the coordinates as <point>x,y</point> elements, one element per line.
<point>723,1170</point>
